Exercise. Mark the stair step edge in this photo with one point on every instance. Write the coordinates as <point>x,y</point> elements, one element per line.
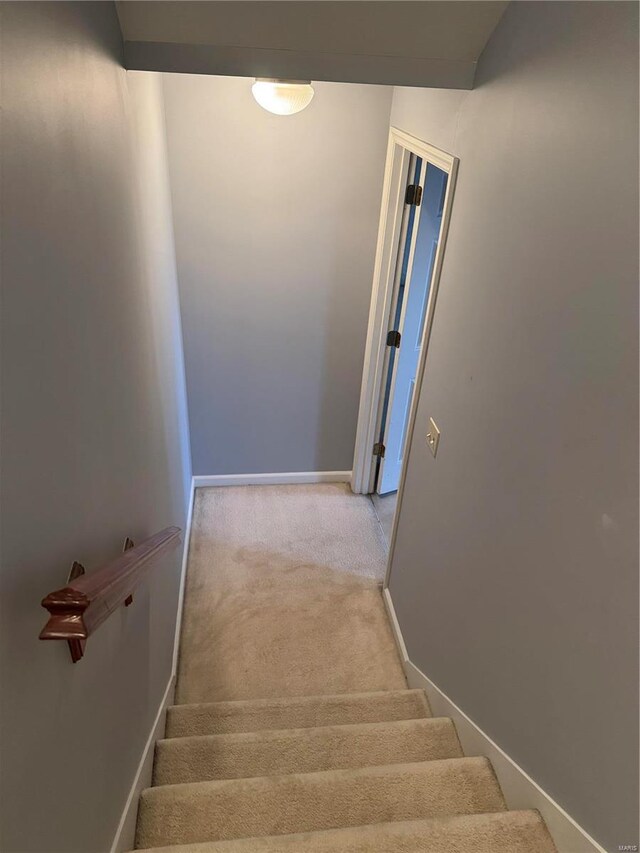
<point>334,799</point>
<point>515,832</point>
<point>284,701</point>
<point>417,767</point>
<point>277,752</point>
<point>295,712</point>
<point>306,731</point>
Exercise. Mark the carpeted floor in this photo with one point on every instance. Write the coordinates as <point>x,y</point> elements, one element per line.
<point>282,596</point>
<point>302,734</point>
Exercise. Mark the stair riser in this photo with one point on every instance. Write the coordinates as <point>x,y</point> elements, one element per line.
<point>179,814</point>
<point>200,759</point>
<point>295,713</point>
<point>504,832</point>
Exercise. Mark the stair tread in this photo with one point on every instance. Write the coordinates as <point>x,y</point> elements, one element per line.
<point>280,751</point>
<point>248,715</point>
<point>498,832</point>
<point>329,799</point>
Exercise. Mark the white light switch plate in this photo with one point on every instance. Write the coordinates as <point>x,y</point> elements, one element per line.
<point>433,436</point>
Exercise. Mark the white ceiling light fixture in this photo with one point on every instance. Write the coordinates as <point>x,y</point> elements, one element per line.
<point>282,97</point>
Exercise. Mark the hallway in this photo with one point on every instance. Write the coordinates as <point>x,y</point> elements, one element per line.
<point>282,596</point>
<point>209,279</point>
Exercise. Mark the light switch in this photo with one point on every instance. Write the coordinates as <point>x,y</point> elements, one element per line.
<point>433,436</point>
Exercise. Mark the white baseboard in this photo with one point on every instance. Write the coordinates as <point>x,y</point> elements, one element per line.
<point>519,789</point>
<point>395,625</point>
<point>272,479</point>
<point>183,578</point>
<point>125,834</point>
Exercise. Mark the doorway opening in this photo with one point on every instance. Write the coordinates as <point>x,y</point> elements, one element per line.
<point>417,197</point>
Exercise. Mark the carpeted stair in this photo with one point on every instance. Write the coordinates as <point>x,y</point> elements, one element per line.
<point>351,773</point>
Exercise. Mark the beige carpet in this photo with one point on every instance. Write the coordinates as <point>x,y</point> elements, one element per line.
<point>305,802</point>
<point>282,596</point>
<point>302,734</point>
<point>298,712</point>
<point>205,758</point>
<point>358,773</point>
<point>500,832</point>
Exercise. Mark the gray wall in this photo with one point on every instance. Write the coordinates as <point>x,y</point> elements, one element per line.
<point>275,222</point>
<point>515,575</point>
<point>94,439</point>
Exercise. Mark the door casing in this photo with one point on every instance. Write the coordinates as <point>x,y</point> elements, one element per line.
<point>399,149</point>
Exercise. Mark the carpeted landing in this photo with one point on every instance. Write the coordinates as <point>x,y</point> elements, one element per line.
<point>282,596</point>
<point>295,730</point>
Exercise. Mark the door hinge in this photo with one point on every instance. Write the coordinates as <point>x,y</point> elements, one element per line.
<point>378,449</point>
<point>393,339</point>
<point>413,195</point>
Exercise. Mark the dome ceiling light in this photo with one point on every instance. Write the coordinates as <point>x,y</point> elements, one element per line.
<point>282,97</point>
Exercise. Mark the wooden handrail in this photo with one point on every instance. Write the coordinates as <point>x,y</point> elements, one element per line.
<point>84,604</point>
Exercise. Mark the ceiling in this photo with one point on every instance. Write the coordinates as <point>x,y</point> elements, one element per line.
<point>397,43</point>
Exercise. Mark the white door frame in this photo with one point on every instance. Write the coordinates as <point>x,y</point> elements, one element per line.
<point>400,146</point>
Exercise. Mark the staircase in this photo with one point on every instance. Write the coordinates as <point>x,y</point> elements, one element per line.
<point>348,773</point>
